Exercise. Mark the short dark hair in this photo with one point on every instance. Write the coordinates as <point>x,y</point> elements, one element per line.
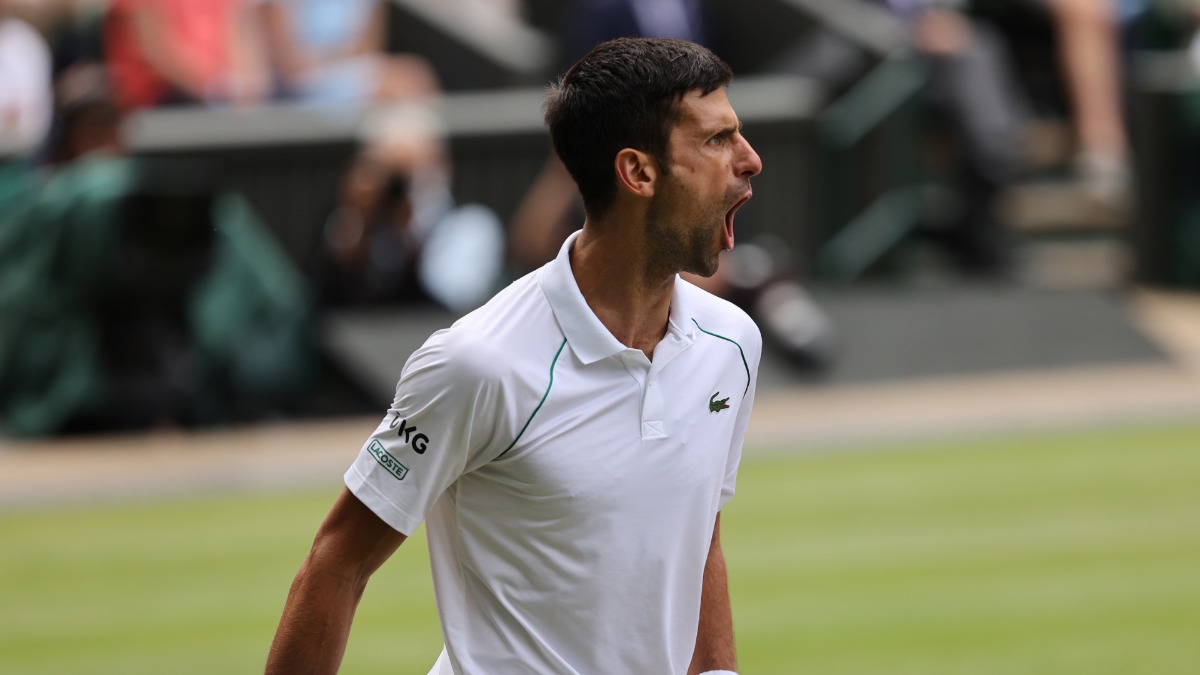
<point>625,93</point>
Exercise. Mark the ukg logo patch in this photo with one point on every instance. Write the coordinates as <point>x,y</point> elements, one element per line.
<point>386,460</point>
<point>419,442</point>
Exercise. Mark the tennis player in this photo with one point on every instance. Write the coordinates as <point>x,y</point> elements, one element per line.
<point>570,444</point>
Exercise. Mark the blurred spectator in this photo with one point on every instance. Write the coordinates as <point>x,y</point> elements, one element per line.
<point>334,51</point>
<point>135,294</point>
<point>1089,54</point>
<point>991,66</point>
<point>396,235</point>
<point>1069,54</point>
<point>163,52</point>
<point>88,120</point>
<point>544,217</point>
<point>977,106</point>
<point>590,22</point>
<point>513,8</point>
<point>26,98</point>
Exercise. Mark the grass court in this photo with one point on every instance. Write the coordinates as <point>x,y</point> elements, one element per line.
<point>1057,553</point>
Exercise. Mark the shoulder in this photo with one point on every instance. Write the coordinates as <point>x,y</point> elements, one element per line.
<point>513,332</point>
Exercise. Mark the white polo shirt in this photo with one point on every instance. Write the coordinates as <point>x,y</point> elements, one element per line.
<point>569,484</point>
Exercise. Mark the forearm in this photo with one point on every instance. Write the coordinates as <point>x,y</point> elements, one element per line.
<point>350,545</point>
<point>315,626</point>
<point>714,637</point>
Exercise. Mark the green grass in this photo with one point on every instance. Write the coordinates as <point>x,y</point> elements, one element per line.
<point>1058,553</point>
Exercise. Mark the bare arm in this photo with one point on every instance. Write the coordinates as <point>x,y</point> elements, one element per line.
<point>277,32</point>
<point>249,74</point>
<point>714,639</point>
<point>373,40</point>
<point>148,30</point>
<point>350,545</point>
<point>536,230</point>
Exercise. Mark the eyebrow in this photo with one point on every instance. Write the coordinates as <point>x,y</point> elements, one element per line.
<point>725,130</point>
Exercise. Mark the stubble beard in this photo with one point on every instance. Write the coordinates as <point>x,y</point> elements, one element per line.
<point>675,240</point>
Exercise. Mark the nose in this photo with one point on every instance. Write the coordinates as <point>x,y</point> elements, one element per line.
<point>749,164</point>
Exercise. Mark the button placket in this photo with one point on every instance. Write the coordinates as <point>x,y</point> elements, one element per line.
<point>652,410</point>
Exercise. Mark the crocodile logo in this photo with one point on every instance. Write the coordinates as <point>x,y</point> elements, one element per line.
<point>715,405</point>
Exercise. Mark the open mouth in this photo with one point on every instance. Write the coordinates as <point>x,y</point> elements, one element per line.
<point>728,241</point>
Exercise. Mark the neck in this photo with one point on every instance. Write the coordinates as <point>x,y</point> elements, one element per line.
<point>630,297</point>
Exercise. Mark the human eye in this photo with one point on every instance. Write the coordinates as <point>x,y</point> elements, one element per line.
<point>724,136</point>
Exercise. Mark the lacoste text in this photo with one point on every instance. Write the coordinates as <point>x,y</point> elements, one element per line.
<point>386,460</point>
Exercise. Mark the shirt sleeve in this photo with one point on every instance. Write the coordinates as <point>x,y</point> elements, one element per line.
<point>446,420</point>
<point>753,354</point>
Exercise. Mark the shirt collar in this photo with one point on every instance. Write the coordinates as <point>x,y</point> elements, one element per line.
<point>588,337</point>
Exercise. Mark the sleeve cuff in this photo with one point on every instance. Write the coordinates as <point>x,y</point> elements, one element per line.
<point>370,496</point>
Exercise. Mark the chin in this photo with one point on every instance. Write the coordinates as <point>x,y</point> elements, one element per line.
<point>708,269</point>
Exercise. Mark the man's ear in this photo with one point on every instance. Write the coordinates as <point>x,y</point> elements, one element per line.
<point>637,172</point>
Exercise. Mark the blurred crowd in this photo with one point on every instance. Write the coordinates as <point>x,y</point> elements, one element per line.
<point>136,291</point>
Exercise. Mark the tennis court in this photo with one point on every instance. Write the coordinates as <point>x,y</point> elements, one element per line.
<point>1024,522</point>
<point>1057,552</point>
